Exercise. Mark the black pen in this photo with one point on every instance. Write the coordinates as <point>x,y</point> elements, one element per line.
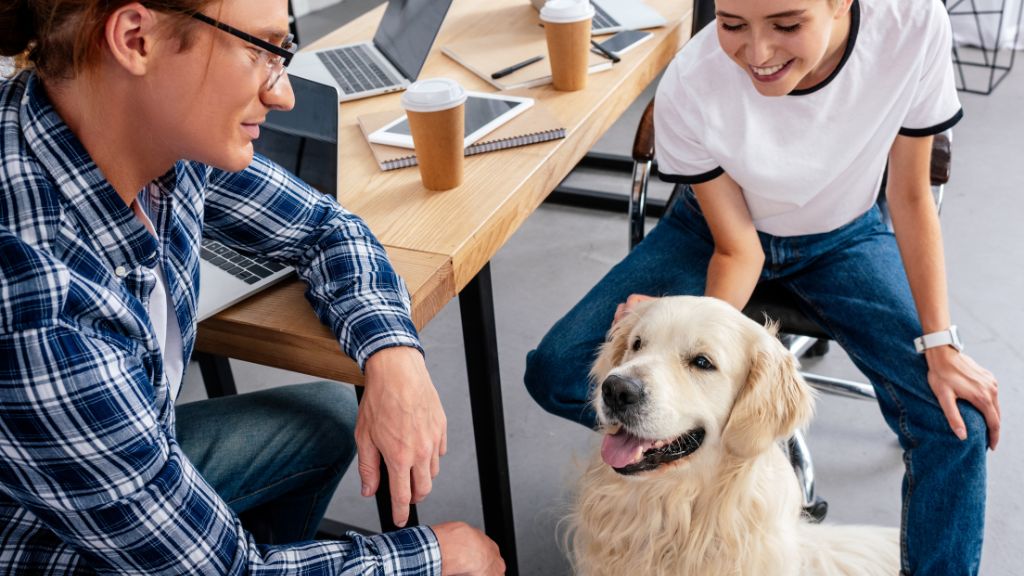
<point>518,66</point>
<point>607,53</point>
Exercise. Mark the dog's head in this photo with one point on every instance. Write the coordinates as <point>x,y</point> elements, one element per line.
<point>684,372</point>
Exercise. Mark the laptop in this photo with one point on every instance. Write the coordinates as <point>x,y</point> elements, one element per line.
<point>617,15</point>
<point>304,141</point>
<point>389,63</point>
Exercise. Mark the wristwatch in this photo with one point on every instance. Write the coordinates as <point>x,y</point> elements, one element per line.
<point>947,337</point>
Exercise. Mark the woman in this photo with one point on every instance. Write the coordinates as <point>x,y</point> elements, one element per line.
<point>782,119</point>
<point>129,138</point>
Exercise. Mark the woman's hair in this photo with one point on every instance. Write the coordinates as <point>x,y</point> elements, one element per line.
<point>59,37</point>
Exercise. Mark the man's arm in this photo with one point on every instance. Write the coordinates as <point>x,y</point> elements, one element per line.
<point>86,451</point>
<point>354,290</point>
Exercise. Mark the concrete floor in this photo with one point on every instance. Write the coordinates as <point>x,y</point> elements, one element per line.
<point>560,252</point>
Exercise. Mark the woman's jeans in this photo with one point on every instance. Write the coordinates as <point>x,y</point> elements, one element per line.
<point>275,456</point>
<point>851,281</point>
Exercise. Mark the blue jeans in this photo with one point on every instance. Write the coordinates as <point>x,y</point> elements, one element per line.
<point>275,456</point>
<point>850,281</point>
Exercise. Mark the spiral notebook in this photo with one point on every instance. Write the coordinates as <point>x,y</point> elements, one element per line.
<point>533,126</point>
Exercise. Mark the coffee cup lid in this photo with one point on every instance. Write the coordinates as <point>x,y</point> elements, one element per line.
<point>432,95</point>
<point>559,11</point>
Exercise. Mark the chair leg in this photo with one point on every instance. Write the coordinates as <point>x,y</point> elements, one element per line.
<point>814,508</point>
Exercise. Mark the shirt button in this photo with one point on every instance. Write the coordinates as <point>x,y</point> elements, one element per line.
<point>120,271</point>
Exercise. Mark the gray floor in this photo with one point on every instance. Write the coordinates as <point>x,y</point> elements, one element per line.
<point>560,252</point>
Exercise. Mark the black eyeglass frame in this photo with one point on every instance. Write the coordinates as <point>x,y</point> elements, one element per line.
<point>280,51</point>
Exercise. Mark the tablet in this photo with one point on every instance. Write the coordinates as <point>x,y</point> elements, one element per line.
<point>484,113</point>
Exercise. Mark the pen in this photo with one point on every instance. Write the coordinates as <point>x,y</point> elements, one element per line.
<point>506,71</point>
<point>607,53</point>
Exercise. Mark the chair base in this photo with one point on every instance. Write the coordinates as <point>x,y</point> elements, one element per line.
<point>815,508</point>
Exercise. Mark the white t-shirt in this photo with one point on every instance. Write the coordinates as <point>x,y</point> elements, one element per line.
<point>813,160</point>
<point>164,320</point>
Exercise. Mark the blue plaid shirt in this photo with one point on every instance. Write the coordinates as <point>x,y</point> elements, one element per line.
<point>91,476</point>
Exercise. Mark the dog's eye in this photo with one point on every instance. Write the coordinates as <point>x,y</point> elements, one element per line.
<point>637,344</point>
<point>701,361</point>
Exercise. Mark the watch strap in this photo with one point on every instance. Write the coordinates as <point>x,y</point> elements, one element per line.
<point>947,337</point>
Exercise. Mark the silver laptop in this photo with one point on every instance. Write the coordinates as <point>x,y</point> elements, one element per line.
<point>616,15</point>
<point>389,63</point>
<point>303,141</point>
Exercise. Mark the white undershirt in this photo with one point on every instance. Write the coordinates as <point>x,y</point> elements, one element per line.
<point>164,320</point>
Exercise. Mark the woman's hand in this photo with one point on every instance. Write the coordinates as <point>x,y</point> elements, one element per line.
<point>954,375</point>
<point>401,419</point>
<point>626,307</point>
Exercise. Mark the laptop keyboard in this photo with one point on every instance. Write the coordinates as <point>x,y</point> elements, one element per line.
<point>354,69</point>
<point>242,267</point>
<point>602,19</point>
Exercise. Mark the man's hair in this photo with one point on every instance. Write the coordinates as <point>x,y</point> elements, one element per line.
<point>60,37</point>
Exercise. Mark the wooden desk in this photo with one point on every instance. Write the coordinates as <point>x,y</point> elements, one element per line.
<point>442,242</point>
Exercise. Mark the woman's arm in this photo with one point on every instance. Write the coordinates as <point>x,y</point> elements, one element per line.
<point>738,258</point>
<point>952,375</point>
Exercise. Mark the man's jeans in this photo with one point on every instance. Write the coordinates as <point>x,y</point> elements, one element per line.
<point>851,281</point>
<point>275,456</point>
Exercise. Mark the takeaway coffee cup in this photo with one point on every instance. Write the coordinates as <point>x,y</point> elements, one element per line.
<point>436,112</point>
<point>567,26</point>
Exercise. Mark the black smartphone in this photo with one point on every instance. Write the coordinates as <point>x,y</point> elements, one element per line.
<point>624,41</point>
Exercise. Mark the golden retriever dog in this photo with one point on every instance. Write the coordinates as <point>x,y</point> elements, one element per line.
<point>694,398</point>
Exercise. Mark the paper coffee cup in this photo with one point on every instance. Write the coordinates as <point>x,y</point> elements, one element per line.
<point>436,112</point>
<point>567,27</point>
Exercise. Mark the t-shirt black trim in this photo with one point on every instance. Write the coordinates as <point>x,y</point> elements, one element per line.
<point>937,129</point>
<point>698,179</point>
<point>850,42</point>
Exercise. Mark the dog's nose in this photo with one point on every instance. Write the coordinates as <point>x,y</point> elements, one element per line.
<point>620,393</point>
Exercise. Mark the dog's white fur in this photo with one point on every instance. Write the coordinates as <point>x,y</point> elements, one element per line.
<point>733,506</point>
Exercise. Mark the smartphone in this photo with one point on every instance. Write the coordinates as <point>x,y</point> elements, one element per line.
<point>624,41</point>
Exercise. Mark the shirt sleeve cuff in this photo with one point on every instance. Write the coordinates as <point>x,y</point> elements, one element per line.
<point>694,179</point>
<point>410,551</point>
<point>933,130</point>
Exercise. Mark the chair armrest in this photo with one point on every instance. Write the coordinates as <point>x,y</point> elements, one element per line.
<point>941,159</point>
<point>643,142</point>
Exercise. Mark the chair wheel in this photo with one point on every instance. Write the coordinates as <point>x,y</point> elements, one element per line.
<point>816,511</point>
<point>820,348</point>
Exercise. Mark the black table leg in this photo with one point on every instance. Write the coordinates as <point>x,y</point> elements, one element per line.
<point>217,375</point>
<point>476,304</point>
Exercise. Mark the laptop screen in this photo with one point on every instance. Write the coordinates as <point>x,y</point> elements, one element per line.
<point>304,140</point>
<point>407,32</point>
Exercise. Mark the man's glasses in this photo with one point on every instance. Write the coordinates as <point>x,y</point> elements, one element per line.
<point>278,57</point>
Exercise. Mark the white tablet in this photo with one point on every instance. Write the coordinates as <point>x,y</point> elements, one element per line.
<point>484,113</point>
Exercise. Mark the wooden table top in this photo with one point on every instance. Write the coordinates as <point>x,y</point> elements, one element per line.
<point>439,241</point>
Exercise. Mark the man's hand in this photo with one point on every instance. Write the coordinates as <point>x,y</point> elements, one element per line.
<point>401,419</point>
<point>467,551</point>
<point>954,375</point>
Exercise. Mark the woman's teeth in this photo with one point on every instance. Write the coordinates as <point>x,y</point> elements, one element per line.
<point>767,71</point>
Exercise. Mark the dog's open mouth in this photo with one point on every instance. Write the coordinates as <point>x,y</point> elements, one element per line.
<point>628,454</point>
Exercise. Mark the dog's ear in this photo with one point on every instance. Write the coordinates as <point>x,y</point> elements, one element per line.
<point>614,347</point>
<point>772,404</point>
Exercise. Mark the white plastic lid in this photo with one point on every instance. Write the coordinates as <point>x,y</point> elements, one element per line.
<point>432,95</point>
<point>565,11</point>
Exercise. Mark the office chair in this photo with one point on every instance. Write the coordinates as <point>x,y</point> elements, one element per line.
<point>801,335</point>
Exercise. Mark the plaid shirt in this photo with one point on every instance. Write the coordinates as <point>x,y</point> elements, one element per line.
<point>91,476</point>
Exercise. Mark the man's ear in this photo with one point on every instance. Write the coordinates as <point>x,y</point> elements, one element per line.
<point>130,34</point>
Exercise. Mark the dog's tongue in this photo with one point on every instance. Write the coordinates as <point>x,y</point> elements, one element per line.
<point>622,449</point>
